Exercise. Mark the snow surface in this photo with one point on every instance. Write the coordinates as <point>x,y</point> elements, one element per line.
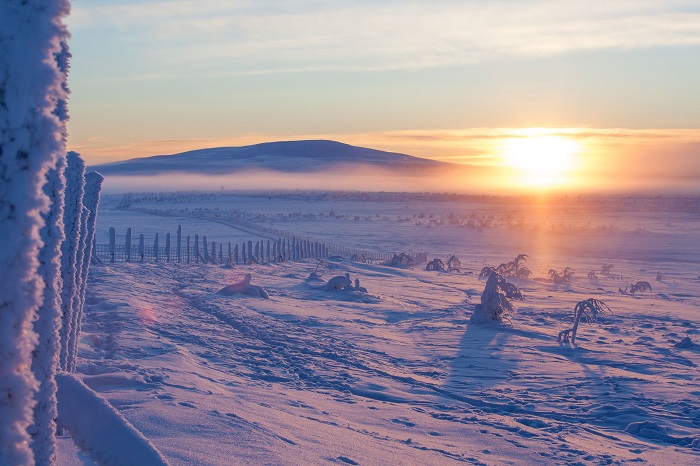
<point>397,375</point>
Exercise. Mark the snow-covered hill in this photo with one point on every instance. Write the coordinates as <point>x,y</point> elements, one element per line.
<point>284,156</point>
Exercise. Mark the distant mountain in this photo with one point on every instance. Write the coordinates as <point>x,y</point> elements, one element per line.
<point>284,156</point>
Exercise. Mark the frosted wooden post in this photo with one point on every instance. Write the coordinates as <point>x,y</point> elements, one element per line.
<point>221,253</point>
<point>179,243</point>
<point>213,251</point>
<point>142,248</point>
<point>127,246</point>
<point>235,254</point>
<point>155,247</point>
<point>257,251</point>
<point>48,318</point>
<point>289,247</point>
<point>91,201</point>
<point>294,247</point>
<point>274,251</point>
<point>188,249</point>
<point>250,250</point>
<point>268,250</point>
<point>205,248</point>
<point>167,247</point>
<point>112,243</point>
<point>229,249</point>
<point>243,253</point>
<point>196,248</point>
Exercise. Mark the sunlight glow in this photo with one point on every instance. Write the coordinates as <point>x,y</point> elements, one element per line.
<point>541,161</point>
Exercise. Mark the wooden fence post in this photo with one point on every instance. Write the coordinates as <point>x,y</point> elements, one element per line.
<point>235,254</point>
<point>188,249</point>
<point>221,253</point>
<point>127,245</point>
<point>250,250</point>
<point>243,253</point>
<point>205,248</point>
<point>179,243</point>
<point>155,247</point>
<point>167,247</point>
<point>112,241</point>
<point>142,248</point>
<point>196,248</point>
<point>213,252</point>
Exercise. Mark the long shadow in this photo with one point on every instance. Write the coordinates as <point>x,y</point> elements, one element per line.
<point>480,361</point>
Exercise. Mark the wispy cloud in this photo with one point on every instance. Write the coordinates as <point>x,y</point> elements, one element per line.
<point>268,36</point>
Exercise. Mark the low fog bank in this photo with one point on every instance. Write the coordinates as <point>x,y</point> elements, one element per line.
<point>468,180</point>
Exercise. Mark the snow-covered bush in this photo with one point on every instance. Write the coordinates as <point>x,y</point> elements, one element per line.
<point>31,142</point>
<point>588,311</point>
<point>561,278</point>
<point>509,269</point>
<point>436,264</point>
<point>495,300</point>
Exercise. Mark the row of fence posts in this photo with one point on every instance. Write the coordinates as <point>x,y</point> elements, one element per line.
<point>203,251</point>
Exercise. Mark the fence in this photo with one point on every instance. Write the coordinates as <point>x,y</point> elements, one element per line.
<point>189,249</point>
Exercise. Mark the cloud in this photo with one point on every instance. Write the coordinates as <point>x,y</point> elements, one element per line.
<point>274,36</point>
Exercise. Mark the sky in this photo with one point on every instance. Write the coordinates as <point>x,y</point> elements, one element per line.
<point>454,80</point>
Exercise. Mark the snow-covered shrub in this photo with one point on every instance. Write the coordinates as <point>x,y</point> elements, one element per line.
<point>561,278</point>
<point>605,269</point>
<point>640,286</point>
<point>436,264</point>
<point>495,300</point>
<point>454,264</point>
<point>509,269</point>
<point>31,142</point>
<point>588,311</point>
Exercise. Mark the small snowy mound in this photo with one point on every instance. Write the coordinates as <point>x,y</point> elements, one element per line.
<point>244,287</point>
<point>684,343</point>
<point>649,430</point>
<point>314,277</point>
<point>339,283</point>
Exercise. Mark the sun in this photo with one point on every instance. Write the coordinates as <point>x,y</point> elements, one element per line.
<point>541,161</point>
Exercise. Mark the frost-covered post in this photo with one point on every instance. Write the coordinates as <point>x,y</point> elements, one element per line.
<point>243,253</point>
<point>155,248</point>
<point>268,250</point>
<point>142,248</point>
<point>196,248</point>
<point>250,251</point>
<point>73,202</point>
<point>289,249</point>
<point>188,249</point>
<point>235,254</point>
<point>221,253</point>
<point>213,252</point>
<point>167,247</point>
<point>257,251</point>
<point>69,343</point>
<point>91,201</point>
<point>127,245</point>
<point>179,243</point>
<point>47,325</point>
<point>294,247</point>
<point>112,243</point>
<point>31,141</point>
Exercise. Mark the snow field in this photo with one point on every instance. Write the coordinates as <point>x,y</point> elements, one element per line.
<point>396,375</point>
